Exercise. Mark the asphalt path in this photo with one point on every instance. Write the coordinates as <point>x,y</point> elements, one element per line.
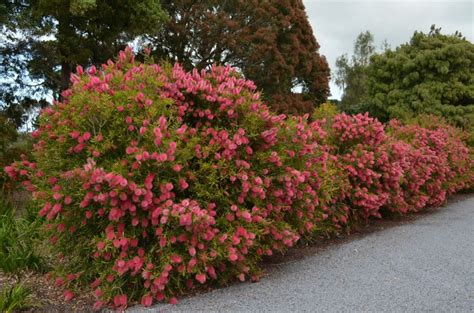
<point>424,265</point>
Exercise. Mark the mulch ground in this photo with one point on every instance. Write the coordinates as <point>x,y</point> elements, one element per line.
<point>46,297</point>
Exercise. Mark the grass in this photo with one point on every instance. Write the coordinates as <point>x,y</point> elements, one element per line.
<point>15,297</point>
<point>18,236</point>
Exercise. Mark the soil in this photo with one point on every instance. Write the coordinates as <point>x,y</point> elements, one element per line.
<point>46,297</point>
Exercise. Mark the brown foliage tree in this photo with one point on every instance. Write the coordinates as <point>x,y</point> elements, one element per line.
<point>271,42</point>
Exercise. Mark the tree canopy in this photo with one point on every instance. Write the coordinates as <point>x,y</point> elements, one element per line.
<point>43,40</point>
<point>271,42</point>
<point>351,74</point>
<point>433,73</point>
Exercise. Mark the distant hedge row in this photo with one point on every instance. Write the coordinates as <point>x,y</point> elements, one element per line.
<point>152,180</point>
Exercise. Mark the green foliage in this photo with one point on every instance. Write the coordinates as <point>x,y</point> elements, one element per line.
<point>352,74</point>
<point>18,236</point>
<point>12,150</point>
<point>12,145</point>
<point>433,74</point>
<point>325,111</point>
<point>8,134</point>
<point>14,298</point>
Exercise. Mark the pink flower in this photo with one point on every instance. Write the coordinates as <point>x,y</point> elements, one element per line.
<point>98,305</point>
<point>162,122</point>
<point>246,216</point>
<point>120,300</point>
<point>176,259</point>
<point>98,293</point>
<point>68,295</point>
<point>182,129</point>
<point>162,157</point>
<point>61,227</point>
<point>173,300</point>
<point>79,70</point>
<point>185,220</point>
<point>74,134</point>
<point>59,281</point>
<point>201,278</point>
<point>233,257</point>
<point>67,200</point>
<point>92,70</point>
<point>183,184</point>
<point>147,300</point>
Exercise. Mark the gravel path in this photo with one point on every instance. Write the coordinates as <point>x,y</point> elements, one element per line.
<point>426,265</point>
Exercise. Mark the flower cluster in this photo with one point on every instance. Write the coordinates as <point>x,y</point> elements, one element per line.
<point>358,141</point>
<point>435,163</point>
<point>402,169</point>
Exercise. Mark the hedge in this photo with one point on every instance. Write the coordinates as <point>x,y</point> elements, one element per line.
<point>152,180</point>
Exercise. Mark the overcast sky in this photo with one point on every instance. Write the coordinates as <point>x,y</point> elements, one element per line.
<point>336,23</point>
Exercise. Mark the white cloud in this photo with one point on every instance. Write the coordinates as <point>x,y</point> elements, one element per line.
<point>336,23</point>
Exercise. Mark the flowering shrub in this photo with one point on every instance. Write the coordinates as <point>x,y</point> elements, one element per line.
<point>152,180</point>
<point>435,163</point>
<point>402,170</point>
<point>359,142</point>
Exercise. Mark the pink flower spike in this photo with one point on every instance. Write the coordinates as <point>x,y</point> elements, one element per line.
<point>67,200</point>
<point>68,295</point>
<point>173,300</point>
<point>101,245</point>
<point>201,278</point>
<point>176,259</point>
<point>147,300</point>
<point>120,300</point>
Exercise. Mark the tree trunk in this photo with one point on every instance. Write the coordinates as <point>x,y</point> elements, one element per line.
<point>66,70</point>
<point>64,37</point>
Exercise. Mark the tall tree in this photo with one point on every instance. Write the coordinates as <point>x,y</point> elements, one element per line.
<point>351,74</point>
<point>271,42</point>
<point>42,41</point>
<point>433,73</point>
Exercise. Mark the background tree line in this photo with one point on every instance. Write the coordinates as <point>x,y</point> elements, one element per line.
<point>271,42</point>
<point>433,73</point>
